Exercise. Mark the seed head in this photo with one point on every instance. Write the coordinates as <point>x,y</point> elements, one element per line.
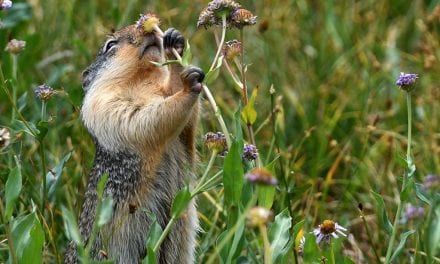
<point>5,137</point>
<point>44,92</point>
<point>216,142</point>
<point>328,229</point>
<point>231,49</point>
<point>15,46</point>
<point>261,176</point>
<point>212,14</point>
<point>5,4</point>
<point>147,23</point>
<point>243,17</point>
<point>406,81</point>
<point>259,216</point>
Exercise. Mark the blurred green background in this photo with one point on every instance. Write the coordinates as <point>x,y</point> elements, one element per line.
<point>336,120</point>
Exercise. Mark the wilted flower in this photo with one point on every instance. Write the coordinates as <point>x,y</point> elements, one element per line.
<point>327,230</point>
<point>5,4</point>
<point>261,176</point>
<point>243,17</point>
<point>44,92</point>
<point>231,49</point>
<point>413,212</point>
<point>406,81</point>
<point>147,23</point>
<point>216,142</point>
<point>5,136</point>
<point>15,46</point>
<point>250,152</point>
<point>431,181</point>
<point>259,216</point>
<point>212,14</point>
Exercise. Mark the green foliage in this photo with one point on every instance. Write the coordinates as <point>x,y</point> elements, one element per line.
<point>327,120</point>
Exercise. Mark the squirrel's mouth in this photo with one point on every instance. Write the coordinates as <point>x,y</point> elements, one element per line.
<point>150,47</point>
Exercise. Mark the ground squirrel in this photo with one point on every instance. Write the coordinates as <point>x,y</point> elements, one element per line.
<point>142,119</point>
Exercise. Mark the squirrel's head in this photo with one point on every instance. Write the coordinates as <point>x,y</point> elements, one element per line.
<point>126,56</point>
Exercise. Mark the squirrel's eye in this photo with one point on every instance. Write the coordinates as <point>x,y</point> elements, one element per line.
<point>109,45</point>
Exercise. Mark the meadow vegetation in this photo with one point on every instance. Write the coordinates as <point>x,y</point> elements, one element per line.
<point>322,107</point>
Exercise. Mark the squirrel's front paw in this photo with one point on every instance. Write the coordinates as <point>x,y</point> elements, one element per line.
<point>192,78</point>
<point>173,39</point>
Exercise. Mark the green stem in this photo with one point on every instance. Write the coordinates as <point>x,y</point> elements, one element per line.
<point>220,45</point>
<point>14,86</point>
<point>43,167</point>
<point>8,234</point>
<point>43,109</point>
<point>164,233</point>
<point>267,251</point>
<point>405,179</point>
<point>205,174</point>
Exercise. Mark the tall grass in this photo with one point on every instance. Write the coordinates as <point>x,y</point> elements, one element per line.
<point>331,126</point>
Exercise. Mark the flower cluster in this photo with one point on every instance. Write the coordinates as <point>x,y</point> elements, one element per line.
<point>234,14</point>
<point>5,137</point>
<point>15,46</point>
<point>328,229</point>
<point>5,4</point>
<point>413,212</point>
<point>250,153</point>
<point>216,142</point>
<point>44,92</point>
<point>406,81</point>
<point>147,23</point>
<point>261,176</point>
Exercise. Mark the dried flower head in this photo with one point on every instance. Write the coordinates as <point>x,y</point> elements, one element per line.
<point>431,181</point>
<point>328,229</point>
<point>44,92</point>
<point>413,212</point>
<point>216,142</point>
<point>406,81</point>
<point>212,14</point>
<point>148,23</point>
<point>243,17</point>
<point>5,137</point>
<point>5,4</point>
<point>261,176</point>
<point>259,216</point>
<point>231,49</point>
<point>250,152</point>
<point>15,46</point>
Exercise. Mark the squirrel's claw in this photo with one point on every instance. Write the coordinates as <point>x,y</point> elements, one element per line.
<point>192,78</point>
<point>173,39</point>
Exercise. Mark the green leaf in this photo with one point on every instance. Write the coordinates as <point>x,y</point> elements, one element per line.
<point>401,245</point>
<point>279,234</point>
<point>101,185</point>
<point>249,115</point>
<point>311,252</point>
<point>105,211</point>
<point>406,192</point>
<point>385,222</point>
<point>233,174</point>
<point>180,202</point>
<point>19,126</point>
<point>401,160</point>
<point>422,195</point>
<point>19,12</point>
<point>71,226</point>
<point>53,176</point>
<point>42,127</point>
<point>432,234</point>
<point>28,238</point>
<point>12,190</point>
<point>266,195</point>
<point>153,236</point>
<point>235,243</point>
<point>213,74</point>
<point>187,55</point>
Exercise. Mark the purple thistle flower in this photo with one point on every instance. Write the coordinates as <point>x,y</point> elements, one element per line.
<point>406,81</point>
<point>413,212</point>
<point>250,152</point>
<point>44,92</point>
<point>6,4</point>
<point>216,142</point>
<point>431,181</point>
<point>261,176</point>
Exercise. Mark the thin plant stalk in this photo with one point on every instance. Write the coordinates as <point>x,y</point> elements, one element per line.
<point>370,237</point>
<point>14,77</point>
<point>205,174</point>
<point>267,252</point>
<point>8,234</point>
<point>405,179</point>
<point>220,45</point>
<point>43,161</point>
<point>165,233</point>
